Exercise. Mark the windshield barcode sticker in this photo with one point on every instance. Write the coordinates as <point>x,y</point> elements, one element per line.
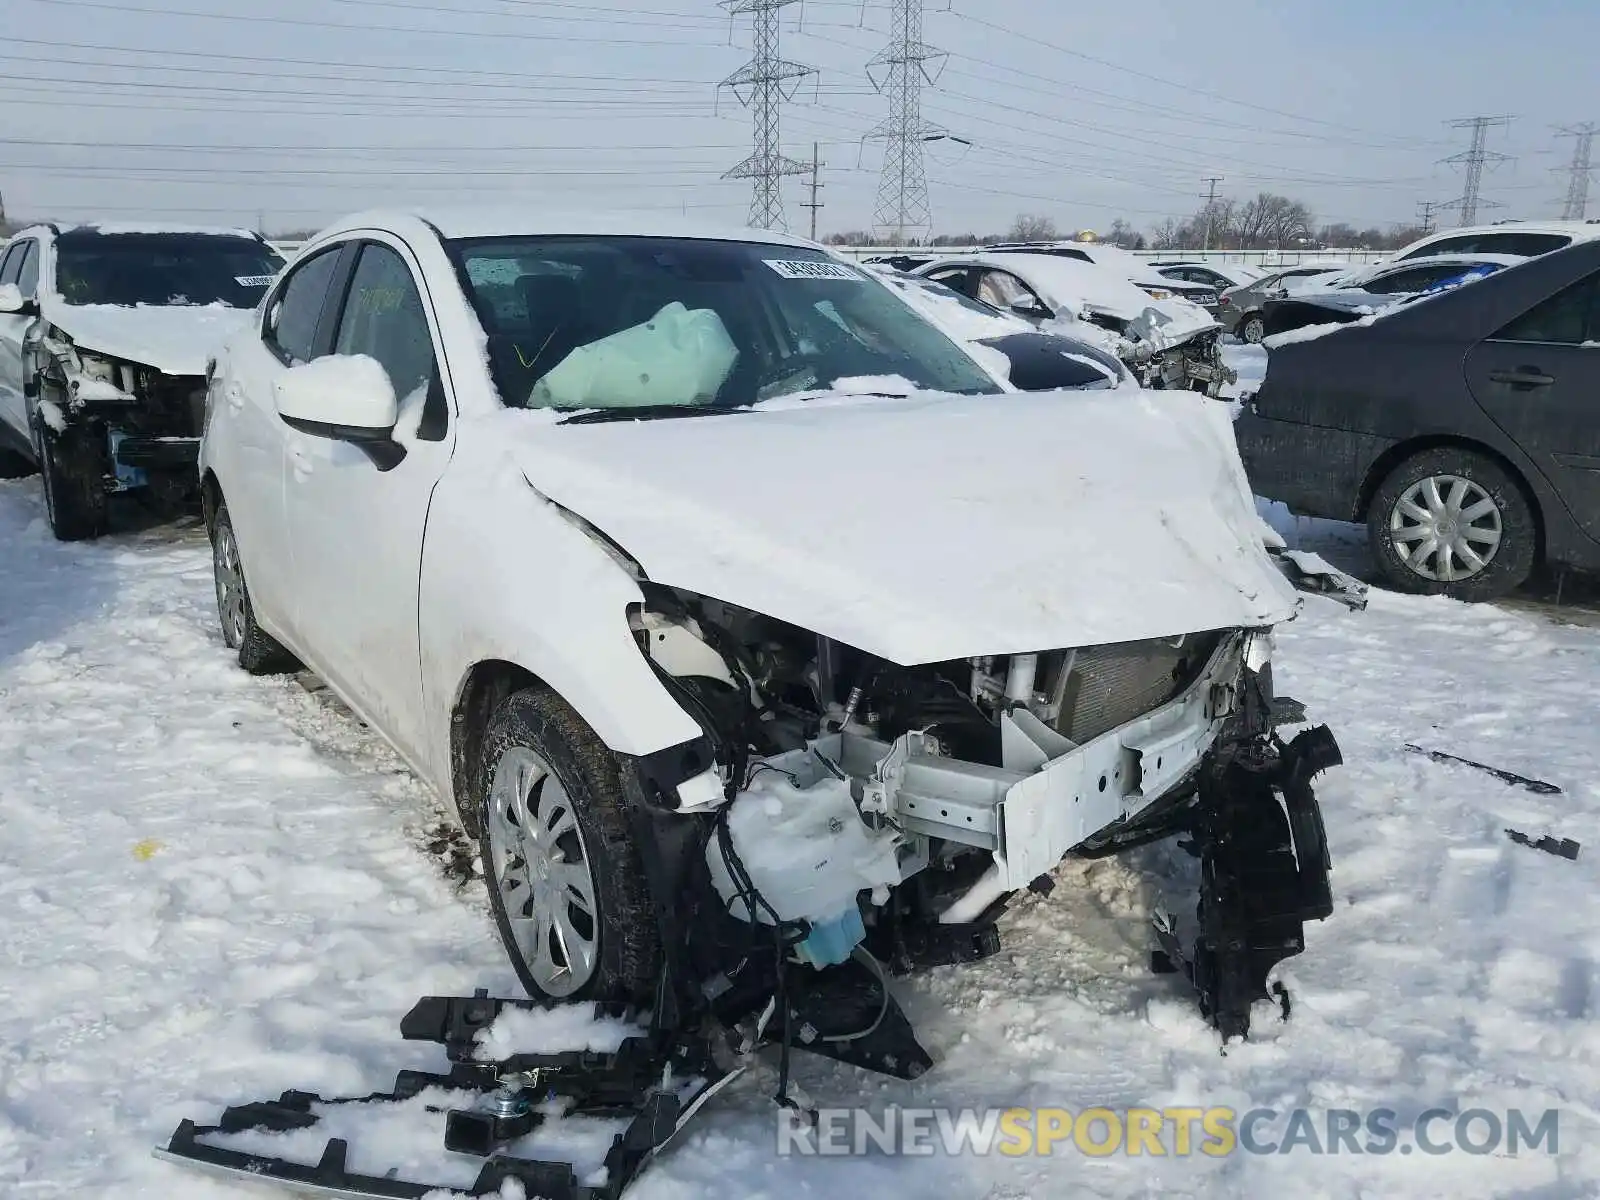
<point>252,280</point>
<point>807,268</point>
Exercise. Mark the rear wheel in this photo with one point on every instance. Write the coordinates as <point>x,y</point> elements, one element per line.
<point>259,652</point>
<point>72,469</point>
<point>566,882</point>
<point>1252,329</point>
<point>1453,522</point>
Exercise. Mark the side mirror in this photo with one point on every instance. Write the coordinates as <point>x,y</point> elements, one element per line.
<point>347,397</point>
<point>14,303</point>
<point>1031,309</point>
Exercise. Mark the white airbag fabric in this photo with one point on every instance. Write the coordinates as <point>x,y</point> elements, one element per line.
<point>679,356</point>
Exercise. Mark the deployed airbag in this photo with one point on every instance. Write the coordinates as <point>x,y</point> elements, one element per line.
<point>679,356</point>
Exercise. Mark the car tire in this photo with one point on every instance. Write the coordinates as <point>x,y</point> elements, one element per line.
<point>259,652</point>
<point>1252,329</point>
<point>1423,489</point>
<point>73,479</point>
<point>564,874</point>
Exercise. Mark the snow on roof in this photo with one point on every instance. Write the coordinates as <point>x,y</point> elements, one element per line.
<point>1064,282</point>
<point>532,221</point>
<point>133,227</point>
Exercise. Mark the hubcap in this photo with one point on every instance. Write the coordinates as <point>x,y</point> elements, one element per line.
<point>1445,528</point>
<point>542,873</point>
<point>230,585</point>
<point>1254,330</point>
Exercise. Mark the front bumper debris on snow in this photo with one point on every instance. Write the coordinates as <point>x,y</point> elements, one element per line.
<point>1255,826</point>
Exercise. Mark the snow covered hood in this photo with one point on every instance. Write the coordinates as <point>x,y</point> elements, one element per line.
<point>176,339</point>
<point>935,527</point>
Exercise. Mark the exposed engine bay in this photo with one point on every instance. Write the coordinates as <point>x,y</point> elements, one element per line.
<point>862,806</point>
<point>117,425</point>
<point>1195,364</point>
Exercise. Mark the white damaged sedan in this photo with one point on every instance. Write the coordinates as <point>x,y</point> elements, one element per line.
<point>763,640</point>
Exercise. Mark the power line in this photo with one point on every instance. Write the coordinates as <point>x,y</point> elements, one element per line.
<point>1580,171</point>
<point>1476,158</point>
<point>763,79</point>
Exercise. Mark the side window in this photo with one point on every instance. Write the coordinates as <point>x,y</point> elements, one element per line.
<point>1570,317</point>
<point>28,276</point>
<point>1465,244</point>
<point>11,265</point>
<point>384,319</point>
<point>293,315</point>
<point>956,278</point>
<point>1002,289</point>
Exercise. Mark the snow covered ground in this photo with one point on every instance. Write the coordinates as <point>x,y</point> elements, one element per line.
<point>213,888</point>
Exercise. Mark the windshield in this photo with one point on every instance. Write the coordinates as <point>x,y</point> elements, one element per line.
<point>166,269</point>
<point>646,324</point>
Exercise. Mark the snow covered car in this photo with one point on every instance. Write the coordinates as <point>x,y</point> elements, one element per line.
<point>758,637</point>
<point>1029,360</point>
<point>105,333</point>
<point>1352,295</point>
<point>1167,343</point>
<point>1139,271</point>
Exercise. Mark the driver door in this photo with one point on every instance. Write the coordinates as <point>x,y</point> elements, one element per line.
<point>356,514</point>
<point>13,327</point>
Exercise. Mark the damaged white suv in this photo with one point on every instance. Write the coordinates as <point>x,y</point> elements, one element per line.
<point>761,638</point>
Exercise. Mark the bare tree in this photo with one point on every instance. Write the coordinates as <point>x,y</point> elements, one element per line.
<point>1032,228</point>
<point>1125,235</point>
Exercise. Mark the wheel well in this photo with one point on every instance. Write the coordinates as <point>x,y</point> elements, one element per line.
<point>487,685</point>
<point>210,498</point>
<point>1395,455</point>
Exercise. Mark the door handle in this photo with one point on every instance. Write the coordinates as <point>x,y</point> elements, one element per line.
<point>1523,379</point>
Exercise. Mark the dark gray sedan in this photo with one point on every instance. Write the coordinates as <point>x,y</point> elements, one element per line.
<point>1464,429</point>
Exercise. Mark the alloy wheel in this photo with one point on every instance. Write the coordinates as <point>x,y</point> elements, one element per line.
<point>542,873</point>
<point>1445,528</point>
<point>230,585</point>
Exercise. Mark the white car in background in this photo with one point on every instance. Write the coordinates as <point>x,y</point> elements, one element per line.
<point>1018,352</point>
<point>1219,276</point>
<point>735,607</point>
<point>105,333</point>
<point>1168,343</point>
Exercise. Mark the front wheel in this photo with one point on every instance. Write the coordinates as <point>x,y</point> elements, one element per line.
<point>565,878</point>
<point>1453,522</point>
<point>73,474</point>
<point>259,652</point>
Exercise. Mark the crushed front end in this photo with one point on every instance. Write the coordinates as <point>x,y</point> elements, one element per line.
<point>121,426</point>
<point>881,813</point>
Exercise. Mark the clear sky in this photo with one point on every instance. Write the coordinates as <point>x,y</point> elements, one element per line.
<point>292,112</point>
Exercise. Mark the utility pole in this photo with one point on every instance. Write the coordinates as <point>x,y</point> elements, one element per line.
<point>903,67</point>
<point>816,186</point>
<point>1475,160</point>
<point>1580,171</point>
<point>1211,204</point>
<point>1425,210</point>
<point>762,85</point>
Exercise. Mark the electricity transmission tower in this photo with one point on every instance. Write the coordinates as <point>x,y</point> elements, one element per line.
<point>1425,210</point>
<point>899,71</point>
<point>1476,159</point>
<point>1580,171</point>
<point>762,85</point>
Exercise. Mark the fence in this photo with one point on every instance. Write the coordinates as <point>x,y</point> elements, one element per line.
<point>1257,258</point>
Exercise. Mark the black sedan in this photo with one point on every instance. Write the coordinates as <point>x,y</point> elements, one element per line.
<point>1464,429</point>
